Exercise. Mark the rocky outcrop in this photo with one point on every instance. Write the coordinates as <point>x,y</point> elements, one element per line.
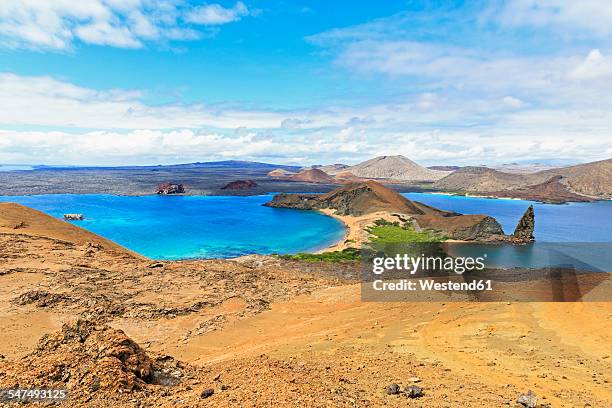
<point>481,228</point>
<point>170,188</point>
<point>355,199</point>
<point>525,227</point>
<point>240,185</point>
<point>370,197</point>
<point>86,357</point>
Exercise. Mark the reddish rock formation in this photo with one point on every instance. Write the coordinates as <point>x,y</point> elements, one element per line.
<point>170,188</point>
<point>84,357</point>
<point>240,185</point>
<point>313,176</point>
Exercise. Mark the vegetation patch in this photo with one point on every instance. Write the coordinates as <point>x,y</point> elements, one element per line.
<point>387,232</point>
<point>346,255</point>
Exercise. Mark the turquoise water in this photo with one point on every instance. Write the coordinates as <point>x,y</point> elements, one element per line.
<point>573,234</point>
<point>179,227</point>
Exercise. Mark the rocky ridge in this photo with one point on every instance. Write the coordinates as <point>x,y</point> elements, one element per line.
<point>370,197</point>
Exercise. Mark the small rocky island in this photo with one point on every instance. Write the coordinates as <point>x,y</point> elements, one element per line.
<point>170,188</point>
<point>240,185</point>
<point>359,199</point>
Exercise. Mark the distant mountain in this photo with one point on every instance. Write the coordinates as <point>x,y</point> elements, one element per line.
<point>329,169</point>
<point>551,191</point>
<point>225,164</point>
<point>480,179</point>
<point>444,168</point>
<point>393,168</point>
<point>280,173</point>
<point>524,168</point>
<point>589,179</point>
<point>312,176</point>
<point>238,164</point>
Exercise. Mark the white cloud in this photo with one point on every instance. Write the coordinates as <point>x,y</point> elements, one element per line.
<point>595,65</point>
<point>87,126</point>
<point>513,102</point>
<point>45,101</point>
<point>592,16</point>
<point>215,14</point>
<point>57,24</point>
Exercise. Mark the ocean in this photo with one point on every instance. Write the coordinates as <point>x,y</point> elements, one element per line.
<point>183,227</point>
<point>574,234</point>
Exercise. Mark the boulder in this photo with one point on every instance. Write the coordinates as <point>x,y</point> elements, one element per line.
<point>170,188</point>
<point>413,391</point>
<point>529,400</point>
<point>392,389</point>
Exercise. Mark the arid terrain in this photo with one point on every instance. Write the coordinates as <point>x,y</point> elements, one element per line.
<point>117,329</point>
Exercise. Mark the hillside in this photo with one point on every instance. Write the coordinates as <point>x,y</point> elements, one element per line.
<point>370,197</point>
<point>312,176</point>
<point>480,179</point>
<point>589,179</point>
<point>19,219</point>
<point>551,191</point>
<point>394,168</point>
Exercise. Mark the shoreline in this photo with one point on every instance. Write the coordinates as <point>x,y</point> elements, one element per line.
<point>355,229</point>
<point>270,193</point>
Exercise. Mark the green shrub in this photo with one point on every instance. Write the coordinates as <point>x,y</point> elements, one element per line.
<point>385,232</point>
<point>346,255</point>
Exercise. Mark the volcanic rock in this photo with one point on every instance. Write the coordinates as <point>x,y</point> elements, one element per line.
<point>392,389</point>
<point>170,188</point>
<point>87,357</point>
<point>470,227</point>
<point>240,185</point>
<point>525,227</point>
<point>413,391</point>
<point>529,400</point>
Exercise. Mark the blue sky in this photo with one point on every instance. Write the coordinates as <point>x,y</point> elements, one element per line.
<point>168,81</point>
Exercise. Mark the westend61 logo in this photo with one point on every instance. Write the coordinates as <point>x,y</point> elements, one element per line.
<point>412,264</point>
